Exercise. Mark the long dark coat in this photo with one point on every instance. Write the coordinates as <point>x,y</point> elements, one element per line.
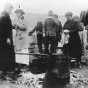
<point>7,54</point>
<point>74,46</point>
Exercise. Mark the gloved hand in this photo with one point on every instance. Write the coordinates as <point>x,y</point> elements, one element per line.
<point>8,41</point>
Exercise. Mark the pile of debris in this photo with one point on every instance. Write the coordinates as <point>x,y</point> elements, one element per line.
<point>77,80</point>
<point>29,80</point>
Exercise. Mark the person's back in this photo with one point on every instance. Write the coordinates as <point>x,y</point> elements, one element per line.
<point>50,27</point>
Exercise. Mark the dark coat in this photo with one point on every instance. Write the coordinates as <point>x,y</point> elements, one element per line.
<point>85,19</point>
<point>74,46</point>
<point>38,28</point>
<point>7,54</point>
<point>53,28</point>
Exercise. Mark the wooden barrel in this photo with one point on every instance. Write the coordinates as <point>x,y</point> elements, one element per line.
<point>58,69</point>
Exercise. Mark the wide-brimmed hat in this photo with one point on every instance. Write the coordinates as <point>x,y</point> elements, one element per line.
<point>19,11</point>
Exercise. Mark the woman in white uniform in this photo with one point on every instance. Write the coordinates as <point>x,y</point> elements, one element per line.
<point>21,30</point>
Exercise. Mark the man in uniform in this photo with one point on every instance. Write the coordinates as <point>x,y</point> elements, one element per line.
<point>52,27</point>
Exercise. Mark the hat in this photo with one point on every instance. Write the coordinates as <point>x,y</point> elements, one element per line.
<point>8,8</point>
<point>8,5</point>
<point>19,11</point>
<point>50,13</point>
<point>76,18</point>
<point>68,14</point>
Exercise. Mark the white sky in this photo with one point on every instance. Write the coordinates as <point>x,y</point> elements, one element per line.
<point>42,6</point>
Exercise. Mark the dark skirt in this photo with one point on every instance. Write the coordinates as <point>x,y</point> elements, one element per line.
<point>7,57</point>
<point>74,48</point>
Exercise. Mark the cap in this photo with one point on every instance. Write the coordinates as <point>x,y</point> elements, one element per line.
<point>19,11</point>
<point>69,14</point>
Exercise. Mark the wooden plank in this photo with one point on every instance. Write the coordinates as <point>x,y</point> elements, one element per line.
<point>33,54</point>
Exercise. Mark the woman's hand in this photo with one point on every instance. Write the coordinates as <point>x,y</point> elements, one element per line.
<point>8,41</point>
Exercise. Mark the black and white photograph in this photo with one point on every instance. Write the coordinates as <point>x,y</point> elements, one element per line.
<point>43,44</point>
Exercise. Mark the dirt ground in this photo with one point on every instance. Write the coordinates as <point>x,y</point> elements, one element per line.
<point>78,79</point>
<point>25,79</point>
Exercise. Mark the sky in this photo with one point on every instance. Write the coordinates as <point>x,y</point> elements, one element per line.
<point>43,6</point>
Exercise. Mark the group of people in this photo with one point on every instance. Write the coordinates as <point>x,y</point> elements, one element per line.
<point>74,48</point>
<point>49,33</point>
<point>7,44</point>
